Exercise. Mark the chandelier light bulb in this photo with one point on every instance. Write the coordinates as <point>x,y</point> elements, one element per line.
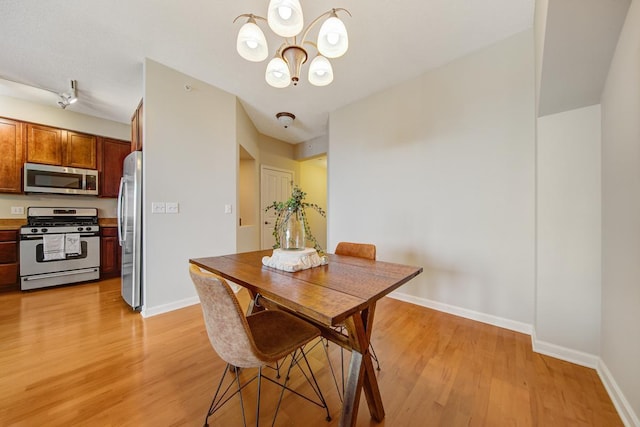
<point>251,43</point>
<point>320,71</point>
<point>333,40</point>
<point>285,17</point>
<point>277,74</point>
<point>285,12</point>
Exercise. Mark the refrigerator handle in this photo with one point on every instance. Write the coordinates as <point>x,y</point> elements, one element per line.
<point>121,217</point>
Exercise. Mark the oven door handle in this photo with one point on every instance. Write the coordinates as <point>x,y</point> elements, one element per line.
<point>41,236</point>
<point>60,274</point>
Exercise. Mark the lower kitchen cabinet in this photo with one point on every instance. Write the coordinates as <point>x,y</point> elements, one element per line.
<point>8,260</point>
<point>109,253</point>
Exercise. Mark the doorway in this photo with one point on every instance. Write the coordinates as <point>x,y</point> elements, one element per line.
<point>275,185</point>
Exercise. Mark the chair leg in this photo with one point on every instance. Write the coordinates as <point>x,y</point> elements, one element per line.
<point>374,356</point>
<point>296,357</point>
<point>258,397</point>
<point>222,396</point>
<point>317,387</point>
<point>244,419</point>
<point>333,373</point>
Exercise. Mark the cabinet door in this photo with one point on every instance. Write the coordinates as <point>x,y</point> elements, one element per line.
<point>12,158</point>
<point>80,151</point>
<point>109,253</point>
<point>137,126</point>
<point>112,157</point>
<point>44,144</point>
<point>8,259</point>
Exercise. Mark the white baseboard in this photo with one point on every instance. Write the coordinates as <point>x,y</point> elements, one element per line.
<point>466,313</point>
<point>564,353</point>
<point>153,311</point>
<point>628,416</point>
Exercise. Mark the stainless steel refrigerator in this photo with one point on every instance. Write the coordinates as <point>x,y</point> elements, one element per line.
<point>130,229</point>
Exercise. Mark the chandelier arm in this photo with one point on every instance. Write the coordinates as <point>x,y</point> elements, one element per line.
<point>315,21</point>
<point>250,16</point>
<point>311,43</point>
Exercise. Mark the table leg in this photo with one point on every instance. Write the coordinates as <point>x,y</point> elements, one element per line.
<point>361,373</point>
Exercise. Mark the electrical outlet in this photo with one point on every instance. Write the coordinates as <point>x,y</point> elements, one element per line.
<point>158,207</point>
<point>17,210</point>
<point>171,207</point>
<point>227,209</point>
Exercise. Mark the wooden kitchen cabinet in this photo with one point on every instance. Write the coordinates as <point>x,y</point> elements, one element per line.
<point>9,260</point>
<point>12,157</point>
<point>110,253</point>
<point>137,125</point>
<point>111,157</point>
<point>80,151</point>
<point>53,146</point>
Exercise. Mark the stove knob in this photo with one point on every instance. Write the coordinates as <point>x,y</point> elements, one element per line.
<point>44,230</point>
<point>88,228</point>
<point>34,230</point>
<point>80,229</point>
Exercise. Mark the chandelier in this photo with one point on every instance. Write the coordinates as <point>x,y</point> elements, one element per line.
<point>284,17</point>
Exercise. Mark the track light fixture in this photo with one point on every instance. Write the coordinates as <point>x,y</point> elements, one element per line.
<point>70,97</point>
<point>284,17</point>
<point>64,99</point>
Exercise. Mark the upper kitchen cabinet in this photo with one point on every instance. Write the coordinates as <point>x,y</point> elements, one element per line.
<point>112,154</point>
<point>137,126</point>
<point>44,144</point>
<point>52,146</point>
<point>12,156</point>
<point>80,151</point>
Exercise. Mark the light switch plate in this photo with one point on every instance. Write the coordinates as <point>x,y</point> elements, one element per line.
<point>172,207</point>
<point>158,207</point>
<point>227,209</point>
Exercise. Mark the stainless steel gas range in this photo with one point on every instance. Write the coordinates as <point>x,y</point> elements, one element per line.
<point>59,246</point>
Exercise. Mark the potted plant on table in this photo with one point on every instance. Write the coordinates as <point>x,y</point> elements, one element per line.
<point>291,229</point>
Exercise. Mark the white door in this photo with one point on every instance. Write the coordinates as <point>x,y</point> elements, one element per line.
<point>275,186</point>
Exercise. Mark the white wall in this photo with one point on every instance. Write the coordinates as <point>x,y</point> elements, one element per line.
<point>67,119</point>
<point>438,171</point>
<point>190,157</point>
<point>568,285</point>
<point>621,219</point>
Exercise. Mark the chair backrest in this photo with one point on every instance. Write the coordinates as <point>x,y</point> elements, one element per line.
<point>226,324</point>
<point>360,250</point>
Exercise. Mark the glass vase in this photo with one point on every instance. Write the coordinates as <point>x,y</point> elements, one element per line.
<point>292,235</point>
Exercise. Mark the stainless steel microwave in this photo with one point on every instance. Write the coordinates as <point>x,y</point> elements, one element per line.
<point>59,180</point>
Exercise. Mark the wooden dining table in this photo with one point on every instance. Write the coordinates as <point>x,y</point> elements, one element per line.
<point>342,292</point>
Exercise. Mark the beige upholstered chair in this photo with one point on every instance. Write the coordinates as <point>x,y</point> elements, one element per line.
<point>253,341</point>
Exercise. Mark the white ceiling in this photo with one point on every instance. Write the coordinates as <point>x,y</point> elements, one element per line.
<point>102,45</point>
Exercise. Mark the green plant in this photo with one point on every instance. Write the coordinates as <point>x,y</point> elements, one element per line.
<point>294,205</point>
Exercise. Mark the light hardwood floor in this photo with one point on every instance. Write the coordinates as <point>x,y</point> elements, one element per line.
<point>76,356</point>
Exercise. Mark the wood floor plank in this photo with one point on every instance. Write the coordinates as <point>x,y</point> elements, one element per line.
<point>78,356</point>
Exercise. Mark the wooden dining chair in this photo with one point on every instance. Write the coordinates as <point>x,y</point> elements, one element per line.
<point>358,250</point>
<point>252,341</point>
